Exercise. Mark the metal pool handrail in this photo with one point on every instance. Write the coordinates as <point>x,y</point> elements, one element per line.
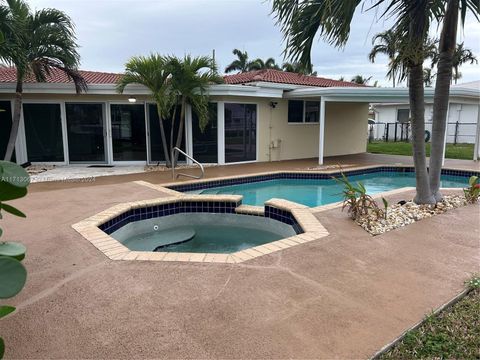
<point>176,149</point>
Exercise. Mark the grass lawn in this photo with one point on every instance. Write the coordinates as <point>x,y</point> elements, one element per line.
<point>459,151</point>
<point>452,334</point>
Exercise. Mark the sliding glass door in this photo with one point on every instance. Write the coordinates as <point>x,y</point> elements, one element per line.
<point>43,132</point>
<point>157,153</point>
<point>240,132</point>
<point>86,132</point>
<point>128,132</point>
<point>5,126</point>
<point>205,141</point>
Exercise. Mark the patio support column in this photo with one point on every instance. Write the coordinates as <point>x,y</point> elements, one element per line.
<point>188,133</point>
<point>476,149</point>
<point>221,132</point>
<point>321,135</point>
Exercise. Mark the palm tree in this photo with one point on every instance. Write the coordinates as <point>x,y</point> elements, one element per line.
<point>297,67</point>
<point>462,55</point>
<point>301,22</point>
<point>152,72</point>
<point>37,43</point>
<point>359,79</point>
<point>259,64</point>
<point>386,43</point>
<point>428,77</point>
<point>241,64</point>
<point>190,78</point>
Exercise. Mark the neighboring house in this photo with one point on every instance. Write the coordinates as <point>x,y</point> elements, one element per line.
<point>463,117</point>
<point>264,115</point>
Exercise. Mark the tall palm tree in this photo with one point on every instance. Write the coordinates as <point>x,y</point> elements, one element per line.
<point>152,72</point>
<point>189,80</point>
<point>37,43</point>
<point>259,64</point>
<point>297,67</point>
<point>386,43</point>
<point>301,22</point>
<point>359,79</point>
<point>241,64</point>
<point>462,55</point>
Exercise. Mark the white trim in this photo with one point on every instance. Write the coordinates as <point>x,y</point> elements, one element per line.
<point>221,132</point>
<point>188,133</point>
<point>63,119</point>
<point>321,133</point>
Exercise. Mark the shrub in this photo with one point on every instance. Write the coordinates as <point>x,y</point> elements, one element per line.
<point>472,192</point>
<point>356,200</point>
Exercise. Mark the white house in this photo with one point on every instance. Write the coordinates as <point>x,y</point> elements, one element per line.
<point>463,115</point>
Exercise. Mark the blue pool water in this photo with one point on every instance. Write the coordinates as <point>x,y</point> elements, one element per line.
<point>321,192</point>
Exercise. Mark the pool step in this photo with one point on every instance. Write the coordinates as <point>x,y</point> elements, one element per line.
<point>250,210</point>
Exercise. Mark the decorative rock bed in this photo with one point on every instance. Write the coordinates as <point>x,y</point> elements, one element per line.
<point>150,168</point>
<point>401,215</point>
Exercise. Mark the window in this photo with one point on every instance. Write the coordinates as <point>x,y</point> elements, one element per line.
<point>295,111</point>
<point>403,115</point>
<point>300,111</point>
<point>5,125</point>
<point>312,111</point>
<point>43,132</point>
<point>128,133</point>
<point>85,128</point>
<point>205,142</point>
<point>240,132</point>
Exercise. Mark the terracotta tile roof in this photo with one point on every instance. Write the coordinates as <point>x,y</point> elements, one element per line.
<point>8,75</point>
<point>283,77</point>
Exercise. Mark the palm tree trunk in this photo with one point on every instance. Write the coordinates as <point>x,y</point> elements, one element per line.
<point>164,138</point>
<point>181,126</point>
<point>441,97</point>
<point>417,108</point>
<point>17,109</point>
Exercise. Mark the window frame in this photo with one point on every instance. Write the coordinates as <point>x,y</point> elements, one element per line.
<point>303,122</point>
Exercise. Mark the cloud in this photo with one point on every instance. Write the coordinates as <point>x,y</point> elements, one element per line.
<point>111,31</point>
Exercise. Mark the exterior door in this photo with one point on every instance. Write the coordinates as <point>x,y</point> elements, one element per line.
<point>86,132</point>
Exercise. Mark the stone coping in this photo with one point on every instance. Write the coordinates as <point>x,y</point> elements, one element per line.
<point>114,250</point>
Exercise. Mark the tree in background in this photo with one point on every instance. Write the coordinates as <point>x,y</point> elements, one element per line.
<point>428,77</point>
<point>241,64</point>
<point>386,43</point>
<point>461,55</point>
<point>301,22</point>
<point>359,79</point>
<point>259,64</point>
<point>297,67</point>
<point>37,43</point>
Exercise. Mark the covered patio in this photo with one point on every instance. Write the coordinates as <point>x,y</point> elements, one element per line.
<point>368,95</point>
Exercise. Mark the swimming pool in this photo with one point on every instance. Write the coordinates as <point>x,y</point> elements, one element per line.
<point>316,192</point>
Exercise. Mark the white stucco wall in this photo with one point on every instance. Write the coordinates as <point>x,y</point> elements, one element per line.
<point>465,114</point>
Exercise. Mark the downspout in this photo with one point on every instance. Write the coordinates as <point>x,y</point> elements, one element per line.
<point>476,150</point>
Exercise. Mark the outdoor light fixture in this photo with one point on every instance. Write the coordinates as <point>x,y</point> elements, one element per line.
<point>132,99</point>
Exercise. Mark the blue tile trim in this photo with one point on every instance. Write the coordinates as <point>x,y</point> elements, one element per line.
<point>218,207</point>
<point>283,216</point>
<point>309,176</point>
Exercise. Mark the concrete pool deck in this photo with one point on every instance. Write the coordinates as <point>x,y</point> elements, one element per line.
<point>90,176</point>
<point>343,296</point>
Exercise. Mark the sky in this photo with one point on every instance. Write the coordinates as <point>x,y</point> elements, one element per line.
<point>109,32</point>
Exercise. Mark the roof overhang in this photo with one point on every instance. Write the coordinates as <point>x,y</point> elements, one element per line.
<point>375,95</point>
<point>110,89</point>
